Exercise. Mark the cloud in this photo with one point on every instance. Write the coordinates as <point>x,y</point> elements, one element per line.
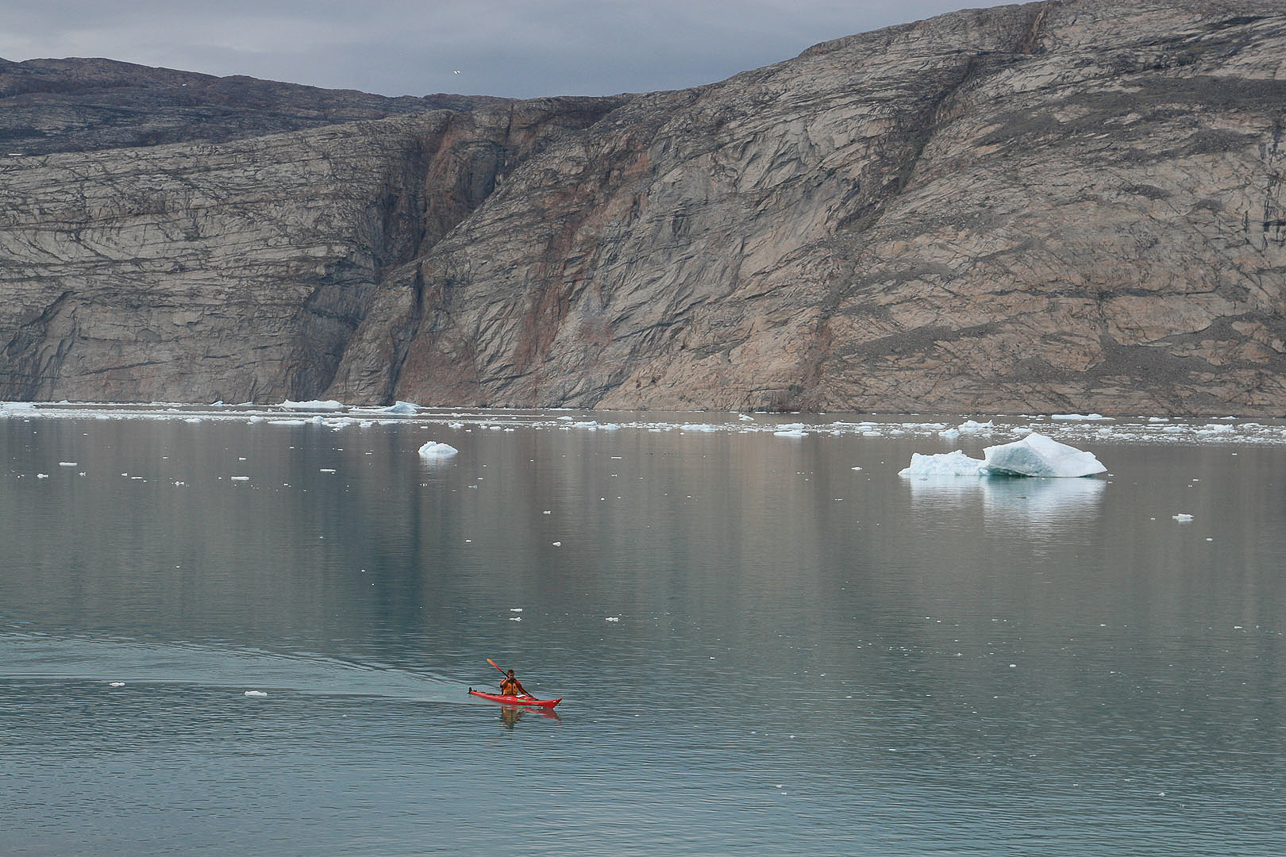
<point>519,48</point>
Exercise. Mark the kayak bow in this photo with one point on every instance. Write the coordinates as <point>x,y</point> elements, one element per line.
<point>515,700</point>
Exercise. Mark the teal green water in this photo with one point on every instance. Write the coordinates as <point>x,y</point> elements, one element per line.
<point>761,649</point>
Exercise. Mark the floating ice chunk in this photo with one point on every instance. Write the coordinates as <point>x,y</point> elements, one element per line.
<point>17,406</point>
<point>790,433</point>
<point>433,449</point>
<point>1038,455</point>
<point>949,433</point>
<point>239,478</point>
<point>612,619</point>
<point>314,405</point>
<point>1081,418</point>
<point>255,693</point>
<point>68,464</point>
<point>974,427</point>
<point>558,544</point>
<point>698,427</point>
<point>116,684</point>
<point>407,408</point>
<point>287,422</point>
<point>745,419</point>
<point>1182,517</point>
<point>943,464</point>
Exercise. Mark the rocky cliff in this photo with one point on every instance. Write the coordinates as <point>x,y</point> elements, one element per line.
<point>1057,206</point>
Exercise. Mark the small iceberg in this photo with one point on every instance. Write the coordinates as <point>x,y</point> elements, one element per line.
<point>1038,455</point>
<point>433,449</point>
<point>408,408</point>
<point>1182,517</point>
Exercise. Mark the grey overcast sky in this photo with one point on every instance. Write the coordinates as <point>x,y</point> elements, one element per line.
<point>515,48</point>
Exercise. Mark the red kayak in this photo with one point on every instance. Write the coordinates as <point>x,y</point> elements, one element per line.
<point>516,700</point>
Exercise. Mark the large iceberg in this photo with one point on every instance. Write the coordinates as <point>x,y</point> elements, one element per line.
<point>1038,455</point>
<point>1034,455</point>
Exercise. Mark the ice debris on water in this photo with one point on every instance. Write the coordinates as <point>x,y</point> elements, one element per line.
<point>1034,455</point>
<point>434,449</point>
<point>255,693</point>
<point>1182,517</point>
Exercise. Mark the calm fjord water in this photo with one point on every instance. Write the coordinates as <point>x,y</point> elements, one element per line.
<point>762,649</point>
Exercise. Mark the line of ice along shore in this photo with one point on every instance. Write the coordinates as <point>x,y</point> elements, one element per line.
<point>949,431</point>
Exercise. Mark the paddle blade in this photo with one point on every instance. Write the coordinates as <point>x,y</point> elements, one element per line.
<point>493,663</point>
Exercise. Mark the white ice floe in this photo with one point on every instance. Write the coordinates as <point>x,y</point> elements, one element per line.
<point>1081,418</point>
<point>1038,455</point>
<point>790,433</point>
<point>314,405</point>
<point>943,464</point>
<point>975,427</point>
<point>255,693</point>
<point>1182,517</point>
<point>433,449</point>
<point>408,408</point>
<point>17,406</point>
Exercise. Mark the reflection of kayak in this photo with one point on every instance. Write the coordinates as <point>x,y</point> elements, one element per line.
<point>516,700</point>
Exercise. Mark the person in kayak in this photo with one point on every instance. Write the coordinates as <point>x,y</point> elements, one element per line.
<point>510,686</point>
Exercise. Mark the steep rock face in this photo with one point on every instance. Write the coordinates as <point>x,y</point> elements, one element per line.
<point>233,271</point>
<point>1048,207</point>
<point>1032,208</point>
